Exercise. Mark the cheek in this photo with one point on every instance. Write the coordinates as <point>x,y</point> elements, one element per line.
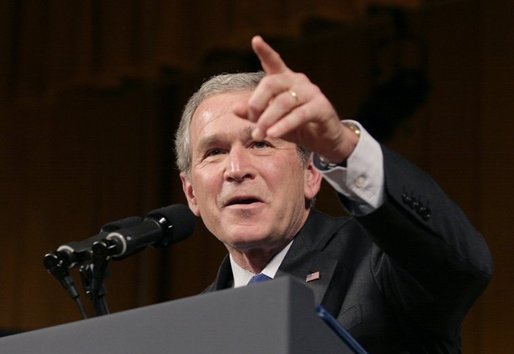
<point>207,184</point>
<point>286,176</point>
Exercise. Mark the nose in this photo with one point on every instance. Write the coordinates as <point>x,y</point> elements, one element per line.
<point>239,165</point>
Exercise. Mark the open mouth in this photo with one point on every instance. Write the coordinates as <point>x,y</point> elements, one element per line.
<point>243,201</point>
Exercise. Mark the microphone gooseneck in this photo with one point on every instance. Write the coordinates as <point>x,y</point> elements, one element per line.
<point>116,240</point>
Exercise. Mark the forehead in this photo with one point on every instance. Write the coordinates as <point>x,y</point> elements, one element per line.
<point>216,115</point>
<point>221,103</point>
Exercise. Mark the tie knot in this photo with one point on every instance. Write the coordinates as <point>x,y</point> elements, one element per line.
<point>259,278</point>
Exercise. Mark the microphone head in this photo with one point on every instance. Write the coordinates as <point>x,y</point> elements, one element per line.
<point>178,221</point>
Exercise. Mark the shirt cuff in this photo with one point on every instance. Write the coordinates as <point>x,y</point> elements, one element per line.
<point>362,180</point>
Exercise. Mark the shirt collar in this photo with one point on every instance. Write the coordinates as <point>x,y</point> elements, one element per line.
<point>243,276</point>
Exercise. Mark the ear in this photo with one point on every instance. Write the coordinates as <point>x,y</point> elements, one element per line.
<point>312,183</point>
<point>189,192</point>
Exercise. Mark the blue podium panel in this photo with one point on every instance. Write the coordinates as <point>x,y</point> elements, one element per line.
<point>274,317</point>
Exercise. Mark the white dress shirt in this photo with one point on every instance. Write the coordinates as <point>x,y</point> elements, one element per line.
<point>243,276</point>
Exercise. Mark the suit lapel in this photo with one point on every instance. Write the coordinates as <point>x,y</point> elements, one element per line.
<point>307,256</point>
<point>224,278</point>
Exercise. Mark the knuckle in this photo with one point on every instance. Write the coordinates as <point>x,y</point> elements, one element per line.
<point>283,102</point>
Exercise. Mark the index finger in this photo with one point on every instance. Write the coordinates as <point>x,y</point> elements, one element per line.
<point>271,61</point>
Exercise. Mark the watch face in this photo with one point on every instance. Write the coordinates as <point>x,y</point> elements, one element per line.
<point>323,165</point>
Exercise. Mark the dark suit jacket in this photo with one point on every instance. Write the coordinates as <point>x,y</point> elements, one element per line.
<point>400,279</point>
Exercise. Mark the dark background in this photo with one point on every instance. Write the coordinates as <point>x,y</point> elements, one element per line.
<point>91,92</point>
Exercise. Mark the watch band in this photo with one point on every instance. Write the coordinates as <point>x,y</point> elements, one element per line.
<point>324,165</point>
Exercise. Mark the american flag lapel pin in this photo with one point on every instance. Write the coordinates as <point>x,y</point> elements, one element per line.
<point>312,277</point>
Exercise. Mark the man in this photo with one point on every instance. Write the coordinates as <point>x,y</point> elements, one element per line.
<point>400,275</point>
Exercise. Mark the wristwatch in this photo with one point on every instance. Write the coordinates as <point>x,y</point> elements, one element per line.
<point>324,165</point>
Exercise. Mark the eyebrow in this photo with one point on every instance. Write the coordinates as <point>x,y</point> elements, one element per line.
<point>245,135</point>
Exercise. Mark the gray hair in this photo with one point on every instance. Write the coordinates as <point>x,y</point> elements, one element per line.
<point>216,85</point>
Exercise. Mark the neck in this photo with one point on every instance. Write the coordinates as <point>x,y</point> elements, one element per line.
<point>255,259</point>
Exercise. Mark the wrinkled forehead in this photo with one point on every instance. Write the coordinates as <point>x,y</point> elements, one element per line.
<point>243,133</point>
<point>216,113</point>
<point>222,102</point>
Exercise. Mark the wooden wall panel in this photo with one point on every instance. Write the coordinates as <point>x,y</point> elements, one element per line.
<point>497,170</point>
<point>450,137</point>
<point>75,163</point>
<point>75,158</point>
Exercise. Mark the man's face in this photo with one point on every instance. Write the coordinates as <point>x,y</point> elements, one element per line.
<point>250,194</point>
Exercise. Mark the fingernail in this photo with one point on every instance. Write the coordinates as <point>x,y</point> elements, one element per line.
<point>257,134</point>
<point>272,132</point>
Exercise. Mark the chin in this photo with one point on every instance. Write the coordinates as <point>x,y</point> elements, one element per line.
<point>248,240</point>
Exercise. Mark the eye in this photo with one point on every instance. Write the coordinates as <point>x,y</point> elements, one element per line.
<point>260,144</point>
<point>213,152</point>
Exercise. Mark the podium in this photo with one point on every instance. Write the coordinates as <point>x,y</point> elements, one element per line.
<point>274,317</point>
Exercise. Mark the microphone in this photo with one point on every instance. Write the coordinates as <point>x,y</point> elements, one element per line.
<point>160,228</point>
<point>53,263</point>
<point>78,252</point>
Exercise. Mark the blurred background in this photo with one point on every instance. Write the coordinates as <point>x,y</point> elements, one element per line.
<point>91,92</point>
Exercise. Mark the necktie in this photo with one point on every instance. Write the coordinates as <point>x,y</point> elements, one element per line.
<point>259,278</point>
